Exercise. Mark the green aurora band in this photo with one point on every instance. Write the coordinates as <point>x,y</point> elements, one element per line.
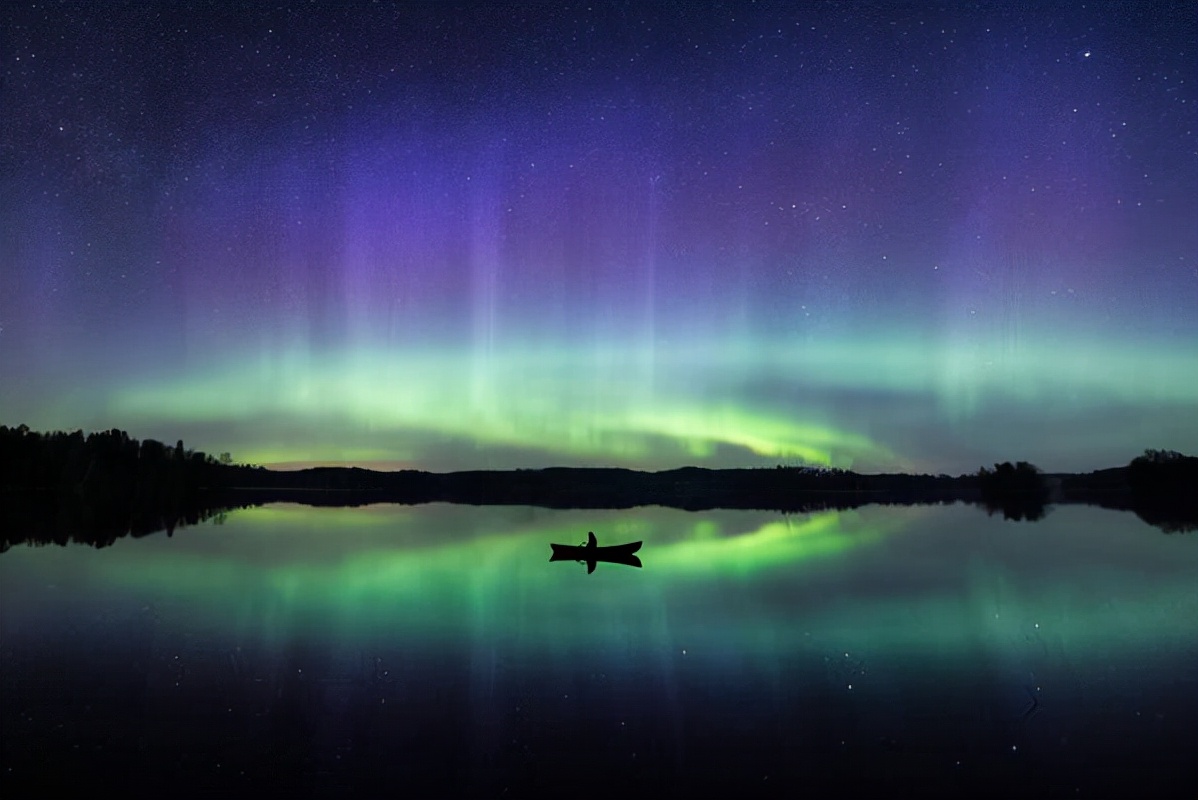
<point>655,408</point>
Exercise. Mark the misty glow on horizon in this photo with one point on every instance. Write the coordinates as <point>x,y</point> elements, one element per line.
<point>862,236</point>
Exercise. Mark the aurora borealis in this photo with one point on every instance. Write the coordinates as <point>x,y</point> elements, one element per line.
<point>887,237</point>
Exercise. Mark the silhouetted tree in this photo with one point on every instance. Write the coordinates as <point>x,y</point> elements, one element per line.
<point>1018,490</point>
<point>101,486</point>
<point>1164,487</point>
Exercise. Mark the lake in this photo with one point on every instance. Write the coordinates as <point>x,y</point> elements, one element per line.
<point>434,650</point>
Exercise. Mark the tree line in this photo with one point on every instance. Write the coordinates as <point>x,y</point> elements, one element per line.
<point>67,486</point>
<point>70,486</point>
<point>104,464</point>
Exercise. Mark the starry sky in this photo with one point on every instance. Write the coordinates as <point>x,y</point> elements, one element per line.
<point>448,236</point>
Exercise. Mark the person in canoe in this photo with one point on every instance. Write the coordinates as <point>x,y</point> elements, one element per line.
<point>590,553</point>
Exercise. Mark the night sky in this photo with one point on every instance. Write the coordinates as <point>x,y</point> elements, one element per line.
<point>886,237</point>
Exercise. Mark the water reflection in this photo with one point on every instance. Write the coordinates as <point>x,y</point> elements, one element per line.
<point>325,649</point>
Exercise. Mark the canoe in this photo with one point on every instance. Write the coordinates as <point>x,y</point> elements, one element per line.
<point>576,552</point>
<point>591,553</point>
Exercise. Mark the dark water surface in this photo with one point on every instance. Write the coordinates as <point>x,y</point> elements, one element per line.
<point>435,651</point>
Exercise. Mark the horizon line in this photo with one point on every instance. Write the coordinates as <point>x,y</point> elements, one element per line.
<point>387,466</point>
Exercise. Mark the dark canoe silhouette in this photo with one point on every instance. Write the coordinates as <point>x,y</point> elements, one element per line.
<point>592,553</point>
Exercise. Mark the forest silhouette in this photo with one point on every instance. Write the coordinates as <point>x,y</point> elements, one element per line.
<point>62,487</point>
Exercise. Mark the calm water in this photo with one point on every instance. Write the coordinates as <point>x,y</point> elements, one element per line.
<point>434,649</point>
